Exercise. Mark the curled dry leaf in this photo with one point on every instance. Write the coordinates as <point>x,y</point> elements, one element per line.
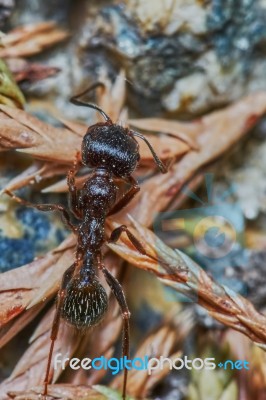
<point>222,303</point>
<point>216,134</point>
<point>31,39</point>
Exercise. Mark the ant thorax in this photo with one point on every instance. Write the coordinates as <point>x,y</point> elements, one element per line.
<point>99,193</point>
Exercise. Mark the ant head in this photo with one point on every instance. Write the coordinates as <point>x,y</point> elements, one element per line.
<point>111,147</point>
<point>107,145</point>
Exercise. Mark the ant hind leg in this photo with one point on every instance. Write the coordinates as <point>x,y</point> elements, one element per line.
<point>115,235</point>
<point>120,297</point>
<point>117,232</point>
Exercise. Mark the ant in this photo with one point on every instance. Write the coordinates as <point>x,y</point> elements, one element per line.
<point>112,152</point>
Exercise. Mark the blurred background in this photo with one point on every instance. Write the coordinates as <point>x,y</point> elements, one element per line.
<point>192,76</point>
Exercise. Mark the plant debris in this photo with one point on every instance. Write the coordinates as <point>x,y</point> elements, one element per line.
<point>221,302</point>
<point>27,293</point>
<point>30,39</point>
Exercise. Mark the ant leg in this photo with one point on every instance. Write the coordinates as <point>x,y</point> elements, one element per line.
<point>73,191</point>
<point>115,235</point>
<point>56,322</point>
<point>45,207</point>
<point>163,168</point>
<point>127,197</point>
<point>117,232</point>
<point>120,297</point>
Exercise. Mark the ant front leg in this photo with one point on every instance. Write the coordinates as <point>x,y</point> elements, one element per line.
<point>45,207</point>
<point>120,297</point>
<point>127,197</point>
<point>73,191</point>
<point>56,322</point>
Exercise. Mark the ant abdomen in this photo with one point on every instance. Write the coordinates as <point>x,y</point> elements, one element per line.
<point>85,303</point>
<point>111,147</point>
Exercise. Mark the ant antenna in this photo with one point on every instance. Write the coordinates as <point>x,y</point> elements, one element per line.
<point>161,166</point>
<point>75,100</point>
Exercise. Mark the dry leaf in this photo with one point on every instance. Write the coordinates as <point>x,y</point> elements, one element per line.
<point>222,303</point>
<point>30,369</point>
<point>112,97</point>
<point>11,329</point>
<point>217,133</point>
<point>59,392</point>
<point>158,343</point>
<point>33,283</point>
<point>30,135</point>
<point>35,173</point>
<point>186,132</point>
<point>31,39</point>
<point>21,130</point>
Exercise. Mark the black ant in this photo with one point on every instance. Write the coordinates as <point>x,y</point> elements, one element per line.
<point>112,152</point>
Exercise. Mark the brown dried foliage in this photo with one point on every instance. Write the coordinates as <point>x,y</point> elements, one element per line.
<point>190,279</point>
<point>29,40</point>
<point>215,133</point>
<point>24,291</point>
<point>165,341</point>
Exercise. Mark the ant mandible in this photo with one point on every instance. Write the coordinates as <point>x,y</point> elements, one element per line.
<point>112,152</point>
